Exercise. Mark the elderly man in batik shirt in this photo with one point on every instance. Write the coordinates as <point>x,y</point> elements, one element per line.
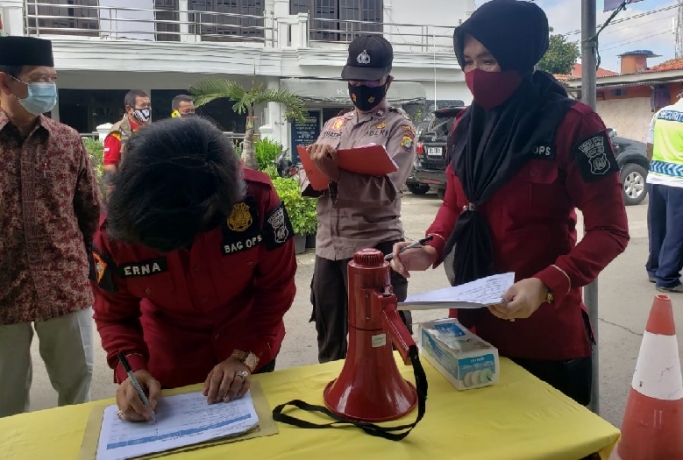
<point>49,209</point>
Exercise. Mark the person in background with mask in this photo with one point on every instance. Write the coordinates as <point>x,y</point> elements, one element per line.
<point>523,156</point>
<point>49,209</point>
<point>138,113</point>
<point>357,211</point>
<point>183,106</point>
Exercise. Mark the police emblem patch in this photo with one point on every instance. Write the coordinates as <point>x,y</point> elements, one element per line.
<point>371,99</point>
<point>381,125</point>
<point>596,157</point>
<point>407,142</point>
<point>240,218</point>
<point>363,58</point>
<point>242,230</point>
<point>338,124</point>
<point>278,229</point>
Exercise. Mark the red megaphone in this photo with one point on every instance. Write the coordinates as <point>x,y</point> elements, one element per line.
<point>370,387</point>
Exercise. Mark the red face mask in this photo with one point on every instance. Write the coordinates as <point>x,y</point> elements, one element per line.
<point>491,89</point>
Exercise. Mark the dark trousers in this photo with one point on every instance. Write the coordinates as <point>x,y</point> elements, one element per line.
<point>329,296</point>
<point>573,377</point>
<point>665,229</point>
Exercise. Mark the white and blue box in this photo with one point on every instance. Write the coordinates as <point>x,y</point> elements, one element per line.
<point>460,356</point>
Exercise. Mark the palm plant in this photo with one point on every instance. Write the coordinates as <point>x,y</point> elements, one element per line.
<point>244,102</point>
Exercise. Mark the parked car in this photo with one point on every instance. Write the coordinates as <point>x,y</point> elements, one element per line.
<point>634,166</point>
<point>412,183</point>
<point>431,162</point>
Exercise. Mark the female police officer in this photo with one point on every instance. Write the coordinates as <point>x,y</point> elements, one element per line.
<point>207,247</point>
<point>523,156</point>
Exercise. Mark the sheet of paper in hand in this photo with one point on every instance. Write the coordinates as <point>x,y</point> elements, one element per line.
<point>183,420</point>
<point>476,294</point>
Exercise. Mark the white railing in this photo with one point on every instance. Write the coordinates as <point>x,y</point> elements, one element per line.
<point>139,20</point>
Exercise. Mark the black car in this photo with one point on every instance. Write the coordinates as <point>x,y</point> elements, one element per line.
<point>412,183</point>
<point>430,165</point>
<point>633,163</point>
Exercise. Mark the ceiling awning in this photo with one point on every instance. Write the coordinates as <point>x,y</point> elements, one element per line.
<point>336,91</point>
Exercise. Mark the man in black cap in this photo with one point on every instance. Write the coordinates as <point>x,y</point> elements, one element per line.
<point>523,157</point>
<point>48,215</point>
<point>357,211</point>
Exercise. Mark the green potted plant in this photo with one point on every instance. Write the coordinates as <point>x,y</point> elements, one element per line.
<point>298,209</point>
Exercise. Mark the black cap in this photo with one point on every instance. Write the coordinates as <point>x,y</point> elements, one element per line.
<point>29,51</point>
<point>370,58</point>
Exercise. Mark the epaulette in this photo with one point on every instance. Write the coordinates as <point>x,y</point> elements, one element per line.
<point>400,111</point>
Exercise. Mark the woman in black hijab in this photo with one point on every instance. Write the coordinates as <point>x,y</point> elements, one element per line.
<point>523,157</point>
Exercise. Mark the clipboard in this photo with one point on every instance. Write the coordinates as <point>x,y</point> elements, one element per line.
<point>368,160</point>
<point>266,427</point>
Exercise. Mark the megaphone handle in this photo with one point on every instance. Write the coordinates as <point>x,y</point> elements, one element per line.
<point>400,336</point>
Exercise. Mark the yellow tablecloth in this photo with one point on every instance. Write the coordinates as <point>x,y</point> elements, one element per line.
<point>519,418</point>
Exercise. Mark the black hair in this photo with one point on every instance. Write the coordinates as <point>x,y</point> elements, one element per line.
<point>132,96</point>
<point>180,177</point>
<point>175,103</point>
<point>12,70</point>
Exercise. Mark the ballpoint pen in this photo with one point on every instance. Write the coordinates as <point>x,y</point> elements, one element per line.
<point>414,245</point>
<point>136,384</point>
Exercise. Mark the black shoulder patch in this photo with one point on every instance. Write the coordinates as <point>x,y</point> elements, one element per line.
<point>277,228</point>
<point>242,228</point>
<point>102,269</point>
<point>595,157</point>
<point>143,268</point>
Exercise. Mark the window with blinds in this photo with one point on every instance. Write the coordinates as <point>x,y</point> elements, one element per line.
<point>340,20</point>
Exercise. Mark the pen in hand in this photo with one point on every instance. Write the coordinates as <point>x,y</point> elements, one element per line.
<point>136,385</point>
<point>414,245</point>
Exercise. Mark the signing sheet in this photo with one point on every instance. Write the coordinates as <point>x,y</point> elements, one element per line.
<point>476,294</point>
<point>182,420</point>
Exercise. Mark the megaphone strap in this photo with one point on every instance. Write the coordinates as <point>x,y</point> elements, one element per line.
<point>390,433</point>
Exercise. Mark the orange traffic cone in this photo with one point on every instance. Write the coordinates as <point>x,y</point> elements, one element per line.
<point>653,422</point>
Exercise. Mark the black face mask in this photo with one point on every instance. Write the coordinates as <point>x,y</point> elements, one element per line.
<point>365,98</point>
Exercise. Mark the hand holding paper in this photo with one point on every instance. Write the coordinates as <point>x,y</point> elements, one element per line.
<point>521,300</point>
<point>477,294</point>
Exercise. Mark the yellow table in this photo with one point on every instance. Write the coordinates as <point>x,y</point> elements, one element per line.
<point>519,418</point>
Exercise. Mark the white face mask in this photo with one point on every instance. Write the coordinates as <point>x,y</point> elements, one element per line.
<point>42,97</point>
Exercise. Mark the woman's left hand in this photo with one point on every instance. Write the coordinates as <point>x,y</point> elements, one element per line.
<point>227,381</point>
<point>521,300</point>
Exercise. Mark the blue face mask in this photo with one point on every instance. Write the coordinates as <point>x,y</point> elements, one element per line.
<point>42,97</point>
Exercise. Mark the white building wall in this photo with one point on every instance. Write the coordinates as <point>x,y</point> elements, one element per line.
<point>630,117</point>
<point>434,21</point>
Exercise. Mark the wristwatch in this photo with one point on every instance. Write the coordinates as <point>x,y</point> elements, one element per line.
<point>549,295</point>
<point>247,358</point>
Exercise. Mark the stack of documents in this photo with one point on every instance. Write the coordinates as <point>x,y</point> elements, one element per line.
<point>183,420</point>
<point>477,294</point>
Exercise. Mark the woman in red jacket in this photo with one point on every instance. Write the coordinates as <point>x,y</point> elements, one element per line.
<point>523,157</point>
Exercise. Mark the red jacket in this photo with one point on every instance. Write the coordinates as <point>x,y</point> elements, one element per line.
<point>533,227</point>
<point>229,291</point>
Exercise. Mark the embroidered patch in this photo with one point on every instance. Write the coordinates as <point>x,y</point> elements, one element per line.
<point>409,129</point>
<point>543,152</point>
<point>143,268</point>
<point>338,124</point>
<point>101,270</point>
<point>240,218</point>
<point>277,228</point>
<point>381,125</point>
<point>407,142</point>
<point>242,230</point>
<point>363,58</point>
<point>596,157</point>
<point>371,99</point>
